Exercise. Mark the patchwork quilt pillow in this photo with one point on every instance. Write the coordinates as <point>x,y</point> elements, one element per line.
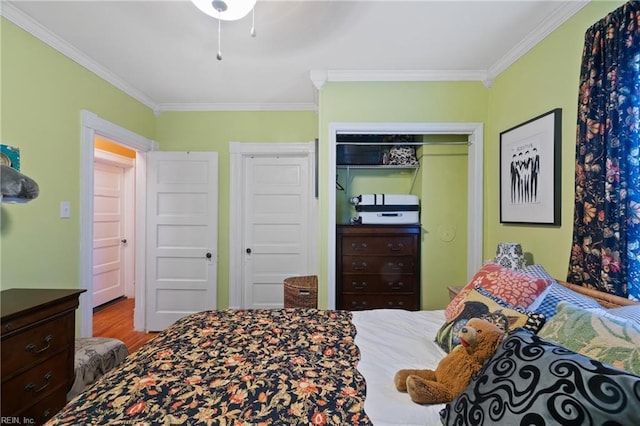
<point>515,288</point>
<point>596,334</point>
<point>479,303</point>
<point>534,381</point>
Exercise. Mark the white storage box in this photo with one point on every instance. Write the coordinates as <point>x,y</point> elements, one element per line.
<point>390,209</point>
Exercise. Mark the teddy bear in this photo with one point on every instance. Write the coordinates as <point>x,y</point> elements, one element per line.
<point>479,339</point>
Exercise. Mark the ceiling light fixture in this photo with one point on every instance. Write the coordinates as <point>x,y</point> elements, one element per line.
<point>227,10</point>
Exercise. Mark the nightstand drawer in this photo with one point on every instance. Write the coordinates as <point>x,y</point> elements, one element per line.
<point>32,345</point>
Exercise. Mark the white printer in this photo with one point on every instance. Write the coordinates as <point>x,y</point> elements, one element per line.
<point>389,209</point>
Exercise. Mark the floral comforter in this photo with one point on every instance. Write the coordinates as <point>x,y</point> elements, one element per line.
<point>234,367</point>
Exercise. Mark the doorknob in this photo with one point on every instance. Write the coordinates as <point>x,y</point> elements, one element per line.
<point>248,251</point>
<point>208,255</point>
<point>123,241</point>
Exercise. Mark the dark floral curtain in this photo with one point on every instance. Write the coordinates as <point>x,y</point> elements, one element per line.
<point>605,253</point>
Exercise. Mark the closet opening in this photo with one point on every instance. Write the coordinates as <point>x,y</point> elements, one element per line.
<point>440,165</point>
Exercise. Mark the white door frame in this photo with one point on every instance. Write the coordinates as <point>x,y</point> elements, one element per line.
<point>90,126</point>
<point>474,183</point>
<point>237,152</point>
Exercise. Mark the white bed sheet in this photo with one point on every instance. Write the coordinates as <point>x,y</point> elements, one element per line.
<point>390,340</point>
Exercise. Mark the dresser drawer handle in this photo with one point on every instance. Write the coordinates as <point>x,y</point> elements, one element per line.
<point>32,348</point>
<point>358,285</point>
<point>359,305</point>
<point>397,266</point>
<point>8,326</point>
<point>359,246</point>
<point>32,387</point>
<point>391,304</point>
<point>395,247</point>
<point>359,267</point>
<point>396,286</point>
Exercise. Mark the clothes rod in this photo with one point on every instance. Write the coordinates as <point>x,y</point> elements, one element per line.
<point>405,143</point>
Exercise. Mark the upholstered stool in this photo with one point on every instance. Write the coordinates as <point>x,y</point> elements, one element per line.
<point>301,292</point>
<point>94,356</point>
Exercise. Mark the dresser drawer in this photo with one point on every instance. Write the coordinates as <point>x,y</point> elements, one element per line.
<point>39,382</point>
<point>29,346</point>
<point>44,409</point>
<point>378,265</point>
<point>358,245</point>
<point>359,302</point>
<point>397,283</point>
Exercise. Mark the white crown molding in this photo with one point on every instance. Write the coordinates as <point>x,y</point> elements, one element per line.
<point>320,77</point>
<point>302,106</point>
<point>34,28</point>
<point>564,12</point>
<point>405,75</point>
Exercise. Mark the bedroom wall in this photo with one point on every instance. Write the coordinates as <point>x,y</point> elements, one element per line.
<point>545,78</point>
<point>42,95</point>
<point>212,131</point>
<point>44,91</point>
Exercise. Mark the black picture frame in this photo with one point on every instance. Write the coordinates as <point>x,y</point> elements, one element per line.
<point>530,165</point>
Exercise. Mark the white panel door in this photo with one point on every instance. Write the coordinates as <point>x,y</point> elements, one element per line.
<point>182,235</point>
<point>276,232</point>
<point>108,233</point>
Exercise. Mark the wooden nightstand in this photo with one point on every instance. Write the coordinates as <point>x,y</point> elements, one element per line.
<point>453,291</point>
<point>37,333</point>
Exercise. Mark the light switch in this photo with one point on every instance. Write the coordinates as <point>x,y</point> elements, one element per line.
<point>65,209</point>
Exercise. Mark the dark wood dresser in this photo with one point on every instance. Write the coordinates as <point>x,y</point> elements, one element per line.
<point>37,338</point>
<point>378,266</point>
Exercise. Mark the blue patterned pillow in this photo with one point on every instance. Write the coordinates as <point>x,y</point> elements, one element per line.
<point>627,312</point>
<point>537,271</point>
<point>533,381</point>
<point>556,293</point>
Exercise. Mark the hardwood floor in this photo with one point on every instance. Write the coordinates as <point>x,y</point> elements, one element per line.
<point>116,320</point>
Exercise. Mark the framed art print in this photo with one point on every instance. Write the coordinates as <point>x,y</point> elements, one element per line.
<point>530,155</point>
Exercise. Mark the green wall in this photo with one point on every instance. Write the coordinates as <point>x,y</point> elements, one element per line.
<point>212,131</point>
<point>544,79</point>
<point>43,93</point>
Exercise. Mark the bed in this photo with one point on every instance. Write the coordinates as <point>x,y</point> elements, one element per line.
<point>310,366</point>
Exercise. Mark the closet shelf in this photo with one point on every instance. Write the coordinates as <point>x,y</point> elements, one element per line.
<point>349,167</point>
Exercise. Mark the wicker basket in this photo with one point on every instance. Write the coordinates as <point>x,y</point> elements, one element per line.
<point>301,292</point>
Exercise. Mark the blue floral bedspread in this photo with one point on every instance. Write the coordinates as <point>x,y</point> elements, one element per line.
<point>234,367</point>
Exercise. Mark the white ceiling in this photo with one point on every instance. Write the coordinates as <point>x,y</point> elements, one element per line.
<point>163,53</point>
